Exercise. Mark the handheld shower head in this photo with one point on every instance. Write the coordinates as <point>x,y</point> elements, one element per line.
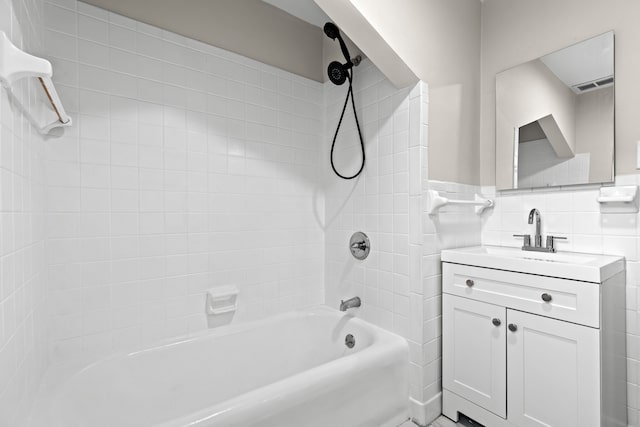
<point>337,71</point>
<point>331,30</point>
<point>338,74</point>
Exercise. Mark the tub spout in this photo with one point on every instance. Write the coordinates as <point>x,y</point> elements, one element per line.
<point>350,303</point>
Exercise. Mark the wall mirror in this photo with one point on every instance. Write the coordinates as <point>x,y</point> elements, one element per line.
<point>555,118</point>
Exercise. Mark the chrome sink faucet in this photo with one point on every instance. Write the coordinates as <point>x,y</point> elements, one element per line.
<point>538,236</point>
<point>350,303</point>
<point>537,242</point>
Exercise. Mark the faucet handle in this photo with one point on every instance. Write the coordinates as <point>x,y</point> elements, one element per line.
<point>526,239</point>
<point>550,241</point>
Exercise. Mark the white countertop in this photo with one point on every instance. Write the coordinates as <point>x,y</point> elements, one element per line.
<point>567,265</point>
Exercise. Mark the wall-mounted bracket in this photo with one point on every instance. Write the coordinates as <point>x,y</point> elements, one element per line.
<point>618,199</point>
<point>221,300</point>
<point>437,201</point>
<point>16,65</point>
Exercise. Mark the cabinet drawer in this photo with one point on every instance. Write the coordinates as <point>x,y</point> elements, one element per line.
<point>563,299</point>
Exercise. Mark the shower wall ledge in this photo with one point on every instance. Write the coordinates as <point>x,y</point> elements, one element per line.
<point>350,20</point>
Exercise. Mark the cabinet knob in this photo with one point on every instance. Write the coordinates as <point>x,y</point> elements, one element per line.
<point>470,282</point>
<point>513,327</point>
<point>496,321</point>
<point>546,297</point>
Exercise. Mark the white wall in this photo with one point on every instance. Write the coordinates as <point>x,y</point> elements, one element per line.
<point>22,273</point>
<point>527,93</point>
<point>451,227</point>
<point>189,167</point>
<point>595,131</point>
<point>440,42</point>
<point>251,28</point>
<point>514,32</point>
<point>539,166</point>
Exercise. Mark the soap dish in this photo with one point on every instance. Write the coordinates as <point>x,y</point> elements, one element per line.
<point>221,300</point>
<point>620,199</point>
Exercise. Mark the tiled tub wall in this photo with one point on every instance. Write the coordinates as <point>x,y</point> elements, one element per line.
<point>574,212</point>
<point>189,167</point>
<point>377,202</point>
<point>451,227</point>
<point>384,202</point>
<point>22,275</point>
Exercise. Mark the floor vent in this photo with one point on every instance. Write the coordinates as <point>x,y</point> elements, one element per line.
<point>468,422</point>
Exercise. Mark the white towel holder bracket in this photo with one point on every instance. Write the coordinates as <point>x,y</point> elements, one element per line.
<point>437,201</point>
<point>15,65</point>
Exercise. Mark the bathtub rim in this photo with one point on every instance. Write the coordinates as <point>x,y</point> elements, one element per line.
<point>393,346</point>
<point>235,328</point>
<point>57,375</point>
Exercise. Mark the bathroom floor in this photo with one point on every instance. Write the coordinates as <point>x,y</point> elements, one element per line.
<point>442,421</point>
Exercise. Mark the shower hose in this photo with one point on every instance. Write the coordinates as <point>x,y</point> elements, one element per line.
<point>335,136</point>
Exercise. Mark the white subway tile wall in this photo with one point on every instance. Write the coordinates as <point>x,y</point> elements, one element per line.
<point>385,203</point>
<point>451,227</point>
<point>542,167</point>
<point>22,235</point>
<point>190,167</point>
<point>573,212</point>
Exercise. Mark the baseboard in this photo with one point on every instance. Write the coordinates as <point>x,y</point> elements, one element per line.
<point>424,413</point>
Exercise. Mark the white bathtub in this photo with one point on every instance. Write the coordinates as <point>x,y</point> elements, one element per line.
<point>289,370</point>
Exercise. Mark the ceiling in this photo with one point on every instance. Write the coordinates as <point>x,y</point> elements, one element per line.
<point>286,34</point>
<point>582,63</point>
<point>252,28</point>
<point>307,10</point>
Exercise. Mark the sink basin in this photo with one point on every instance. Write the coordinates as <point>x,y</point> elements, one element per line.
<point>565,257</point>
<point>568,265</point>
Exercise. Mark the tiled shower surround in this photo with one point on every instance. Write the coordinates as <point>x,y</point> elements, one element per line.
<point>400,281</point>
<point>384,202</point>
<point>22,233</point>
<point>189,167</point>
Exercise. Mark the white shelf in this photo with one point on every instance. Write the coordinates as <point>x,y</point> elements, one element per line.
<point>16,65</point>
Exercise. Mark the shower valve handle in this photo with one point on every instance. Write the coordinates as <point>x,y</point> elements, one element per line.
<point>362,245</point>
<point>359,245</point>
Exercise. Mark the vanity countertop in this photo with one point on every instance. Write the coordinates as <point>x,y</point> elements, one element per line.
<point>567,265</point>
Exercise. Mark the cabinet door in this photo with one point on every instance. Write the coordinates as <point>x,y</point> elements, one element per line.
<point>474,353</point>
<point>553,372</point>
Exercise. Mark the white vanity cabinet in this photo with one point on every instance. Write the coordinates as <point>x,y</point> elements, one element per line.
<point>526,349</point>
